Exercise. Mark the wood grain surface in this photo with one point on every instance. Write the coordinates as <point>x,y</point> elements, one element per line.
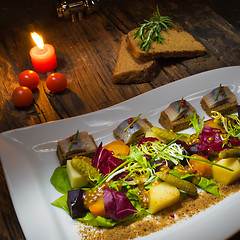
<point>87,53</point>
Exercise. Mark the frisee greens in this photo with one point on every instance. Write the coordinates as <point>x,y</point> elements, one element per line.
<point>232,127</point>
<point>196,123</point>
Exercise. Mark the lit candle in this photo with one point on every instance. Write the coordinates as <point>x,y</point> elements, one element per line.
<point>43,55</point>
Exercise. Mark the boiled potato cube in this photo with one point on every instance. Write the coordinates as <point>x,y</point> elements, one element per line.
<point>76,179</point>
<point>162,195</point>
<point>225,176</point>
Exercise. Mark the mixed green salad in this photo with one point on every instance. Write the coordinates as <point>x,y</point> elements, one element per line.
<point>121,183</point>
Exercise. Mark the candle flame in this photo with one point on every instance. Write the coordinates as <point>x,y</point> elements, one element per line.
<point>37,39</point>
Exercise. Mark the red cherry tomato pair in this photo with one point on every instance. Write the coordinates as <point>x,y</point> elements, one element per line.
<point>56,82</point>
<point>23,97</point>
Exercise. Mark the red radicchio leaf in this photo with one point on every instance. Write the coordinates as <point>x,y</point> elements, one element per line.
<point>109,165</point>
<point>104,160</point>
<point>117,205</point>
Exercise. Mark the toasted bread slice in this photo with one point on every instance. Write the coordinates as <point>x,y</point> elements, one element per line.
<point>177,43</point>
<point>128,69</point>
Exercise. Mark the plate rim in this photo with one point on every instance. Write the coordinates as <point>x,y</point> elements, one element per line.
<point>6,136</point>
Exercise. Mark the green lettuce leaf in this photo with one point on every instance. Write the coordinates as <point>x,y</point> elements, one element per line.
<point>61,202</point>
<point>209,185</point>
<point>98,221</point>
<point>60,180</point>
<point>187,176</point>
<point>132,194</point>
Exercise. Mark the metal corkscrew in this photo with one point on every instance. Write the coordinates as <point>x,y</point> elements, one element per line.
<point>75,10</point>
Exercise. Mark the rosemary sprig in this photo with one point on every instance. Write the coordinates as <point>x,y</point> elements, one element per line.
<point>151,30</point>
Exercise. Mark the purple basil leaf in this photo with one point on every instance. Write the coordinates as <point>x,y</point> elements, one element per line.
<point>117,205</point>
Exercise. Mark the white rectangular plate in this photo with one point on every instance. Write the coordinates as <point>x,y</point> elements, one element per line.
<point>29,158</point>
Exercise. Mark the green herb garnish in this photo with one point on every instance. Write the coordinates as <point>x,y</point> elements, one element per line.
<point>173,141</point>
<point>74,138</point>
<point>209,162</point>
<point>151,30</point>
<point>132,122</point>
<point>110,174</point>
<point>219,88</point>
<point>179,105</point>
<point>196,123</point>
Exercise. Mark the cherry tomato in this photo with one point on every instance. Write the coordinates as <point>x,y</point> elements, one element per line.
<point>22,96</point>
<point>56,82</point>
<point>28,78</point>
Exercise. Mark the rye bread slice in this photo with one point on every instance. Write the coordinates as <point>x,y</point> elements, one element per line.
<point>177,43</point>
<point>128,69</point>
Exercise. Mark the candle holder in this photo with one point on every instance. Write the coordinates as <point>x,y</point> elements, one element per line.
<point>75,10</point>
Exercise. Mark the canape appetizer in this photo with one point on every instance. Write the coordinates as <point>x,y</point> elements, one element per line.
<point>220,99</point>
<point>175,116</point>
<point>132,129</point>
<point>81,143</point>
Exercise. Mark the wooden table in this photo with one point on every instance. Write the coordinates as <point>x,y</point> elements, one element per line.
<point>87,52</point>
